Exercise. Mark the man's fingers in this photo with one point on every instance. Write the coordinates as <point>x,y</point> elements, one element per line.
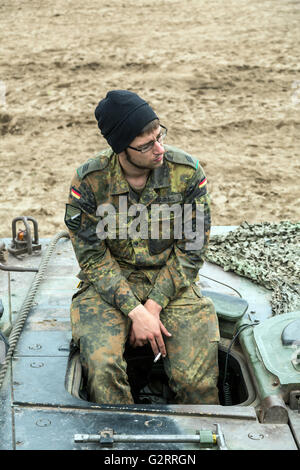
<point>154,347</point>
<point>158,345</point>
<point>164,329</point>
<point>148,327</point>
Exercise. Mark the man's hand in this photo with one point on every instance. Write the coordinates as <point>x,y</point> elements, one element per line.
<point>146,326</point>
<point>153,307</point>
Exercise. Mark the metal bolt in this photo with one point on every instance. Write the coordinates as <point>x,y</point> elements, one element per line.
<point>255,437</point>
<point>43,422</point>
<point>35,347</point>
<point>153,423</point>
<point>36,365</point>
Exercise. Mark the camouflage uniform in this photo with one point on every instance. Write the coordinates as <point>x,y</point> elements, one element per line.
<point>118,273</point>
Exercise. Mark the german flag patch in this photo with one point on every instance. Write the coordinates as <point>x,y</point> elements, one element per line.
<point>72,217</point>
<point>202,183</point>
<point>75,193</point>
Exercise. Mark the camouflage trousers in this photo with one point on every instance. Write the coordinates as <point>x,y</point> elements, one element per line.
<point>191,364</point>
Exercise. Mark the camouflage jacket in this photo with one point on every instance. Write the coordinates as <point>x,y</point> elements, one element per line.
<point>103,210</point>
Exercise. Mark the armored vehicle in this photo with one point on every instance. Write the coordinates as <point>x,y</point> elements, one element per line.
<point>44,404</point>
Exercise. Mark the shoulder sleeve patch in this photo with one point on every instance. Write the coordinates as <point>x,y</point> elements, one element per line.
<point>72,217</point>
<point>178,156</point>
<point>93,164</point>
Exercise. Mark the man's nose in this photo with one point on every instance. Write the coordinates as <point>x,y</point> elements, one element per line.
<point>158,147</point>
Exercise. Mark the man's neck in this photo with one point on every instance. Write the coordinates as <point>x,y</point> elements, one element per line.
<point>131,172</point>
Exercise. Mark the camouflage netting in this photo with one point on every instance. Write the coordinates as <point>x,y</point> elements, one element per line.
<point>268,254</point>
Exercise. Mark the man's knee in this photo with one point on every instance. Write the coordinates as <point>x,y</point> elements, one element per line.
<point>196,385</point>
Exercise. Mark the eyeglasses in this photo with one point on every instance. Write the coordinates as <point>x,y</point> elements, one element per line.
<point>145,148</point>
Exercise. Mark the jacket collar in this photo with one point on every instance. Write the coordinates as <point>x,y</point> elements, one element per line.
<point>158,178</point>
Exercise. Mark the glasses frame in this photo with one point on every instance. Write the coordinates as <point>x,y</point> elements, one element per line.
<point>151,143</point>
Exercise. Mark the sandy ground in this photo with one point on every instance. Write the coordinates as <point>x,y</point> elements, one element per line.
<point>223,75</point>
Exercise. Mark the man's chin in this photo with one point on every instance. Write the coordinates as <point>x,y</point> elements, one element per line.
<point>158,161</point>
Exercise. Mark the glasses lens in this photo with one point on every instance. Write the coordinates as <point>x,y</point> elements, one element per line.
<point>159,139</point>
<point>147,147</point>
<point>164,131</point>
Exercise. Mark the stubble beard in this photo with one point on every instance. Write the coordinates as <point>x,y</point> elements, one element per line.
<point>140,167</point>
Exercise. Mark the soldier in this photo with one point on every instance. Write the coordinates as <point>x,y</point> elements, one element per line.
<point>138,276</point>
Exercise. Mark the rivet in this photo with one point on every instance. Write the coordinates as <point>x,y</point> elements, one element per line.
<point>36,365</point>
<point>255,437</point>
<point>35,347</point>
<point>43,422</point>
<point>154,423</point>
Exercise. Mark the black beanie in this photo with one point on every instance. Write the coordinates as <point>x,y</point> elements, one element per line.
<point>121,116</point>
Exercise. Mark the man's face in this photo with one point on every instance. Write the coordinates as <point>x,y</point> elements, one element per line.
<point>151,159</point>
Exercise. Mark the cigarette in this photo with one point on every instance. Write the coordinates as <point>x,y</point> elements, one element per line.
<point>157,357</point>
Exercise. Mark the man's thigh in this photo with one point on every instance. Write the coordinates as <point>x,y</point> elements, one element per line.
<point>100,331</point>
<point>192,360</point>
<point>97,325</point>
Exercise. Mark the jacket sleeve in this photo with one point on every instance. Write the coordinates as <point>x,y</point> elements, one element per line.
<point>95,260</point>
<point>187,256</point>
